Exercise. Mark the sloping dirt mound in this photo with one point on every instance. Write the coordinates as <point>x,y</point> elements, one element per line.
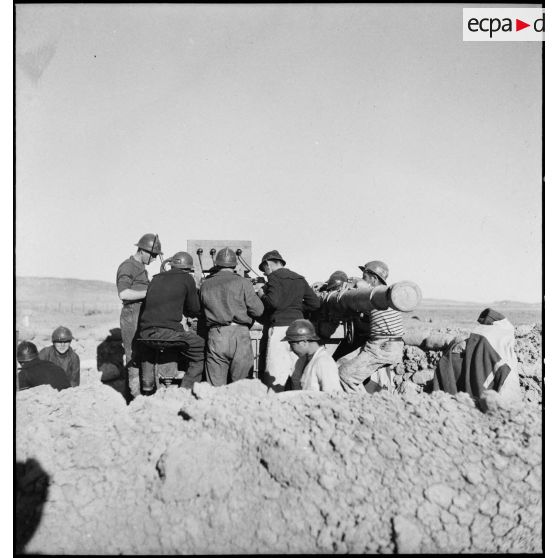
<point>528,348</point>
<point>238,470</point>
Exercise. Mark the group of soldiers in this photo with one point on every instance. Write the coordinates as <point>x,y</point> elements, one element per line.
<point>203,331</point>
<point>216,346</point>
<point>57,365</point>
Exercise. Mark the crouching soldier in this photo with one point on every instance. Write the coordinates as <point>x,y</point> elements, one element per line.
<point>62,354</point>
<point>36,372</point>
<point>326,322</point>
<point>315,370</point>
<point>383,348</point>
<point>484,360</point>
<point>170,296</point>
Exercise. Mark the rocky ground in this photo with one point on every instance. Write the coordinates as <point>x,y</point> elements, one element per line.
<point>237,469</point>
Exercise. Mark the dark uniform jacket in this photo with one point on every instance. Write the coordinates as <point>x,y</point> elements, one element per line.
<point>228,298</point>
<point>42,372</point>
<point>69,362</point>
<point>170,295</point>
<point>287,297</point>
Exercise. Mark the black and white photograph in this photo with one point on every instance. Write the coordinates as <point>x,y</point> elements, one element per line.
<point>279,278</point>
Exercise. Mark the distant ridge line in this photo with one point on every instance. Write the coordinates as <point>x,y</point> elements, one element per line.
<point>495,304</point>
<point>30,282</point>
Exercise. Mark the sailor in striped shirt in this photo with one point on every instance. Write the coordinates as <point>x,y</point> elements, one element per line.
<point>386,323</point>
<point>382,350</point>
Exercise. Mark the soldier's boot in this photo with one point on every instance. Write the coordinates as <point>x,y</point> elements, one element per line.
<point>148,383</point>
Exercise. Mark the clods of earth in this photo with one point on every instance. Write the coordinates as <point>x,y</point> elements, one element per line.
<point>238,469</point>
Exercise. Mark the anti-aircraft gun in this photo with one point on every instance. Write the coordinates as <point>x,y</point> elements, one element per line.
<point>344,302</point>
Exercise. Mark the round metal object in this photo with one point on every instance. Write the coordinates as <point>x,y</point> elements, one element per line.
<point>405,296</point>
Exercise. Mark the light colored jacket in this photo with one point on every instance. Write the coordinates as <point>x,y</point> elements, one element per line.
<point>501,335</point>
<point>318,374</point>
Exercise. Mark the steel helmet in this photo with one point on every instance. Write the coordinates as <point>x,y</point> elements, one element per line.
<point>378,268</point>
<point>150,243</point>
<point>26,351</point>
<point>301,330</point>
<point>182,260</point>
<point>226,258</point>
<point>336,279</point>
<point>61,334</point>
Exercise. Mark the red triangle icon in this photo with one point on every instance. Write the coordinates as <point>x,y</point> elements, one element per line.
<point>519,25</point>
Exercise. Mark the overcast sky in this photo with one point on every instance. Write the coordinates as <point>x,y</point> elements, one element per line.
<point>335,134</point>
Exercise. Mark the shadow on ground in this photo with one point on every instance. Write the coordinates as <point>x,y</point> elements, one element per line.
<point>31,493</point>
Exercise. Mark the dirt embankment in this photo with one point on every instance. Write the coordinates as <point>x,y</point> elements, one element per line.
<point>237,470</point>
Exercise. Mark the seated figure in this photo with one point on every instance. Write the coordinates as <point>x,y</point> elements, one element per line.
<point>315,370</point>
<point>485,360</point>
<point>62,354</point>
<point>171,295</point>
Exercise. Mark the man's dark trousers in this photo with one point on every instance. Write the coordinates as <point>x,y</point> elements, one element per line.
<point>229,354</point>
<point>194,354</point>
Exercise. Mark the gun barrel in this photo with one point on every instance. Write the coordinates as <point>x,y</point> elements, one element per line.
<point>404,296</point>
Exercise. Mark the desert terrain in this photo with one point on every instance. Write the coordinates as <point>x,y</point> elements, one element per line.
<point>240,470</point>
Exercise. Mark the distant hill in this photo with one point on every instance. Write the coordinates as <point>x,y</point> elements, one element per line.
<point>437,302</point>
<point>515,304</point>
<point>39,289</point>
<point>42,289</point>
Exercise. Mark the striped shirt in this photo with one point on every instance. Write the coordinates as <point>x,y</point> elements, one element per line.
<point>386,323</point>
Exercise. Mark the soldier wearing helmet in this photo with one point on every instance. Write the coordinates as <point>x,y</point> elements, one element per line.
<point>315,370</point>
<point>356,327</point>
<point>383,347</point>
<point>131,282</point>
<point>230,305</point>
<point>287,296</point>
<point>62,354</point>
<point>336,280</point>
<point>36,372</point>
<point>171,295</point>
<point>325,321</point>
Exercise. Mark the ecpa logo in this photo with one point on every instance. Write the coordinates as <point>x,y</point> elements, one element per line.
<point>503,24</point>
